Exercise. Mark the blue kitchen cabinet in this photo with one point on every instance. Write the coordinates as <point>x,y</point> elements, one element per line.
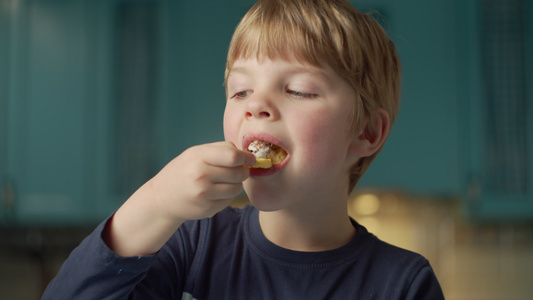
<point>466,120</point>
<point>423,152</point>
<point>64,87</point>
<point>96,96</point>
<point>4,90</point>
<point>51,107</point>
<point>497,70</point>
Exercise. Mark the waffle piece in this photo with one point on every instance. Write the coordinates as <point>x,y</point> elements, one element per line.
<point>267,154</point>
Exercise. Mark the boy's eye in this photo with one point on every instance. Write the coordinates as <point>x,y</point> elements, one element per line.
<point>241,94</point>
<point>301,95</point>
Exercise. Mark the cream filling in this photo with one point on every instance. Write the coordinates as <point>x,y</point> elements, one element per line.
<point>269,151</point>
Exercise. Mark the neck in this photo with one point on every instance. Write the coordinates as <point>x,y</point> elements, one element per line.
<point>308,229</point>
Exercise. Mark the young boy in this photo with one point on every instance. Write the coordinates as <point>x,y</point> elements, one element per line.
<point>315,82</point>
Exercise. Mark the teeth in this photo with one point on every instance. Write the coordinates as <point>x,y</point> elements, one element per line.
<point>267,154</point>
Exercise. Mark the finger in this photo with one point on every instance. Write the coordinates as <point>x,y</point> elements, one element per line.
<point>228,174</point>
<point>225,154</point>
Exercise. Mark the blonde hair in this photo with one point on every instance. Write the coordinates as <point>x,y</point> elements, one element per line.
<point>332,32</point>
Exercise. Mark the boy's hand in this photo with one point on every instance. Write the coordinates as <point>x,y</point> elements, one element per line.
<point>201,181</point>
<point>197,184</point>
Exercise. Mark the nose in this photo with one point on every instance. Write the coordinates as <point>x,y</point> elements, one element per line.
<point>261,107</point>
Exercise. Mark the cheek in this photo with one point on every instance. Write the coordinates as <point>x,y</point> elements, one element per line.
<point>324,136</point>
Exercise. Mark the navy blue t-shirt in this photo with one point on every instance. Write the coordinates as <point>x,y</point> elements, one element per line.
<point>228,257</point>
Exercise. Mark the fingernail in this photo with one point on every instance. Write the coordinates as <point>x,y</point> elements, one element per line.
<point>250,160</point>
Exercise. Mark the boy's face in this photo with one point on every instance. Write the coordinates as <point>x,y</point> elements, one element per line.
<point>303,109</point>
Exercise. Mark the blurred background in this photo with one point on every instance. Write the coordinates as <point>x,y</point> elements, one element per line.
<point>97,95</point>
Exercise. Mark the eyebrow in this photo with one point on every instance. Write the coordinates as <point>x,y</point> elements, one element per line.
<point>239,70</point>
<point>311,70</point>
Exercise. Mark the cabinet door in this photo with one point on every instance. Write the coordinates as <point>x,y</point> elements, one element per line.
<point>101,94</point>
<point>422,154</point>
<point>499,70</point>
<point>5,186</point>
<point>46,109</point>
<point>60,110</point>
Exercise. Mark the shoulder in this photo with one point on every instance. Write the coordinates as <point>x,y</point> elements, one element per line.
<point>392,255</point>
<point>381,252</point>
<point>389,259</point>
<point>405,270</point>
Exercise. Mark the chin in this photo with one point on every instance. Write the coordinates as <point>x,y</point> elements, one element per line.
<point>267,205</point>
<point>265,199</point>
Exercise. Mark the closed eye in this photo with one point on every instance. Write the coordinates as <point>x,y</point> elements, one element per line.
<point>301,95</point>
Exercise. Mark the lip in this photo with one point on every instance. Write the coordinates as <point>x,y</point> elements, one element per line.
<point>262,136</point>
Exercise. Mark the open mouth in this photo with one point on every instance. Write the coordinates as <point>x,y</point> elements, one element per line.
<point>267,154</point>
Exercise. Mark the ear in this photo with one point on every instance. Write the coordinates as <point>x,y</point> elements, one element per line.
<point>372,136</point>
